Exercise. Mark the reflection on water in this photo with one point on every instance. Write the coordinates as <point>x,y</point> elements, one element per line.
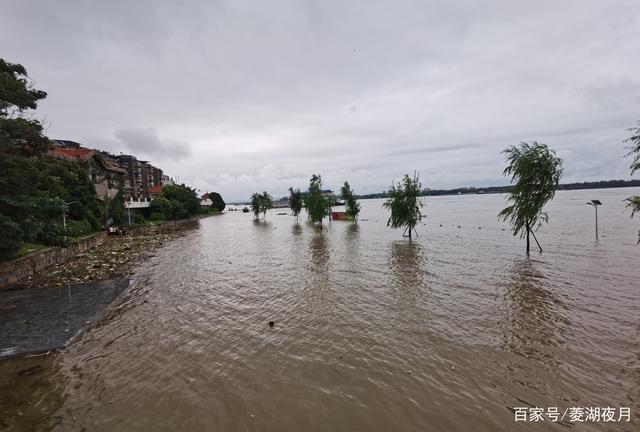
<point>534,322</point>
<point>296,229</point>
<point>372,332</point>
<point>408,266</point>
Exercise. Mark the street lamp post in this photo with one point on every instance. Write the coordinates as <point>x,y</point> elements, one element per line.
<point>595,204</point>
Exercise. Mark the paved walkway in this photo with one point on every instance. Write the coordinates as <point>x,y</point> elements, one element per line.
<point>37,320</point>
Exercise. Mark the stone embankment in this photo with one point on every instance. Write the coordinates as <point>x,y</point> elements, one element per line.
<point>92,258</point>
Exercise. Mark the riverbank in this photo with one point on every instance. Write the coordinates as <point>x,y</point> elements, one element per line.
<point>114,258</point>
<point>68,297</point>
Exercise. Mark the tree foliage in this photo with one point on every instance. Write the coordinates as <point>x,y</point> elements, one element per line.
<point>634,148</point>
<point>217,202</point>
<point>536,171</point>
<point>318,205</point>
<point>634,151</point>
<point>405,204</point>
<point>34,185</point>
<point>295,202</point>
<point>161,206</point>
<point>352,206</point>
<point>115,209</point>
<point>184,200</point>
<point>261,203</point>
<point>176,202</point>
<point>19,135</point>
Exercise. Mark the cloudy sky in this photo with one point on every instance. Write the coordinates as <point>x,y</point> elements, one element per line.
<point>240,96</point>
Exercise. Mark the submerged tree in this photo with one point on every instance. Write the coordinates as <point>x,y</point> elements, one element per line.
<point>537,171</point>
<point>261,203</point>
<point>351,204</point>
<point>318,205</point>
<point>405,204</point>
<point>634,151</point>
<point>256,204</point>
<point>295,202</point>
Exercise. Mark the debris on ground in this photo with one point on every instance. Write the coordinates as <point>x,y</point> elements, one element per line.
<point>115,258</point>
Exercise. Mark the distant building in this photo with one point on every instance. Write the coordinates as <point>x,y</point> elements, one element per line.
<point>166,180</point>
<point>137,179</point>
<point>281,203</point>
<point>106,176</point>
<point>66,144</point>
<point>141,176</point>
<point>205,201</point>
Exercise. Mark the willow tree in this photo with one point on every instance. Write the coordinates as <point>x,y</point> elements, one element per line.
<point>352,206</point>
<point>318,205</point>
<point>405,204</point>
<point>634,151</point>
<point>261,203</point>
<point>295,202</point>
<point>536,171</point>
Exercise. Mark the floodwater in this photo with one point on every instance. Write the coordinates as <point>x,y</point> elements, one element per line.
<point>372,332</point>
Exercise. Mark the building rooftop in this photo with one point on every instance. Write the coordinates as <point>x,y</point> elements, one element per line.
<point>83,154</point>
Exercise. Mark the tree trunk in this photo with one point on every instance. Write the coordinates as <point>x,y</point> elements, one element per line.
<point>528,245</point>
<point>409,232</point>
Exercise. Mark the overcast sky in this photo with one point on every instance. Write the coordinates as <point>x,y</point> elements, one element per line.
<point>241,96</point>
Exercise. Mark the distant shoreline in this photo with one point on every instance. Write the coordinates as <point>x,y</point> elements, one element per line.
<point>606,184</point>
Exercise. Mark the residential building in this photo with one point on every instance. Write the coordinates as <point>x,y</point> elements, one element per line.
<point>141,176</point>
<point>107,177</point>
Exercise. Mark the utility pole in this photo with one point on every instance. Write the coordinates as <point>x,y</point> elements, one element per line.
<point>595,204</point>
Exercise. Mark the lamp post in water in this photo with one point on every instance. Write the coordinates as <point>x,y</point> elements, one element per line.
<point>595,204</point>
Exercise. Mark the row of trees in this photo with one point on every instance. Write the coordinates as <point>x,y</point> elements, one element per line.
<point>534,169</point>
<point>317,203</point>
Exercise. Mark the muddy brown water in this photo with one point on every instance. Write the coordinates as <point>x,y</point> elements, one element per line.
<point>372,332</point>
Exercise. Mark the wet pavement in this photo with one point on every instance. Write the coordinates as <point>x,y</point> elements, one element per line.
<point>39,320</point>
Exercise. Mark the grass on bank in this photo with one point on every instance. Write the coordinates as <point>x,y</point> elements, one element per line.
<point>29,248</point>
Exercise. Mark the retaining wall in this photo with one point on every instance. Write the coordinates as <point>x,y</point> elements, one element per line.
<point>21,268</point>
<point>18,269</point>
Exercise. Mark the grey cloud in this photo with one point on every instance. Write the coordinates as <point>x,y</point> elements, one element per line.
<point>147,143</point>
<point>263,92</point>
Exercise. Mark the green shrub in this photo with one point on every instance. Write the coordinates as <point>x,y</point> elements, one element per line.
<point>30,228</point>
<point>156,216</point>
<point>178,210</point>
<point>10,238</point>
<point>138,219</point>
<point>115,209</point>
<point>163,206</point>
<point>52,234</point>
<point>79,228</point>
